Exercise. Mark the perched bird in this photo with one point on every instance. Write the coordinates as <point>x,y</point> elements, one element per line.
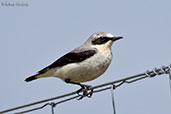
<point>84,63</point>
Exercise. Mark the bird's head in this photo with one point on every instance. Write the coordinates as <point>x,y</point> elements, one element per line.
<point>103,40</point>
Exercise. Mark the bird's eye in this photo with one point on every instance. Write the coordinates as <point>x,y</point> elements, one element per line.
<point>101,40</point>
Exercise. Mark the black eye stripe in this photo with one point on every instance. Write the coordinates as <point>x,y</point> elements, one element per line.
<point>101,40</point>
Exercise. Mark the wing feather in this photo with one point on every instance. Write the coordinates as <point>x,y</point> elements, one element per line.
<point>68,58</point>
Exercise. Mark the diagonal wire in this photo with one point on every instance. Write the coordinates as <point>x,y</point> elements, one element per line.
<point>34,109</point>
<point>51,104</point>
<point>98,88</point>
<point>38,102</point>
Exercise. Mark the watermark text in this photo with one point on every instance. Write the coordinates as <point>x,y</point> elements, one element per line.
<point>12,4</point>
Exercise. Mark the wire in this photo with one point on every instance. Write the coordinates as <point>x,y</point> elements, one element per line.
<point>52,104</point>
<point>113,101</point>
<point>98,88</point>
<point>170,79</point>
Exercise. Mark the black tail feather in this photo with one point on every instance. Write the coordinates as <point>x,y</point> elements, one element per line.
<point>30,78</point>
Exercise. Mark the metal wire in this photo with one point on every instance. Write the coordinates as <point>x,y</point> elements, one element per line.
<point>113,100</point>
<point>98,88</point>
<point>52,104</point>
<point>34,109</point>
<point>170,79</point>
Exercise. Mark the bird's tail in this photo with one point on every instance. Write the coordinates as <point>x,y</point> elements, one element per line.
<point>32,77</point>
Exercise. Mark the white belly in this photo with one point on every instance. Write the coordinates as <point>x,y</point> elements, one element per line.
<point>86,70</point>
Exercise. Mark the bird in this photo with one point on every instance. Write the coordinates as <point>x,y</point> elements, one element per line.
<point>85,63</point>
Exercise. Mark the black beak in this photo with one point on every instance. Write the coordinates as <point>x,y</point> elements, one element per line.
<point>117,38</point>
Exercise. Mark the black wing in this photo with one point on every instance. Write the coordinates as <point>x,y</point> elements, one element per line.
<point>71,57</point>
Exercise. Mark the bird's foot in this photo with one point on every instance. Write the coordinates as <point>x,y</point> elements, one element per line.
<point>86,91</point>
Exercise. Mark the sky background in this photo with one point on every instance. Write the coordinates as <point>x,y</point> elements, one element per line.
<point>33,36</point>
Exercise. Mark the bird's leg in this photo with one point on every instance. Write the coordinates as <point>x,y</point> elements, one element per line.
<point>84,88</point>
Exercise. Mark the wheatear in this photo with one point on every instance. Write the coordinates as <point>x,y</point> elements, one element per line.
<point>84,63</point>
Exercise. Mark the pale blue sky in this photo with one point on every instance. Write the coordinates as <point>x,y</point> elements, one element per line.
<point>33,37</point>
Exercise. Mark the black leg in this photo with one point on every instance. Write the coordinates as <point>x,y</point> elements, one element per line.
<point>84,88</point>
